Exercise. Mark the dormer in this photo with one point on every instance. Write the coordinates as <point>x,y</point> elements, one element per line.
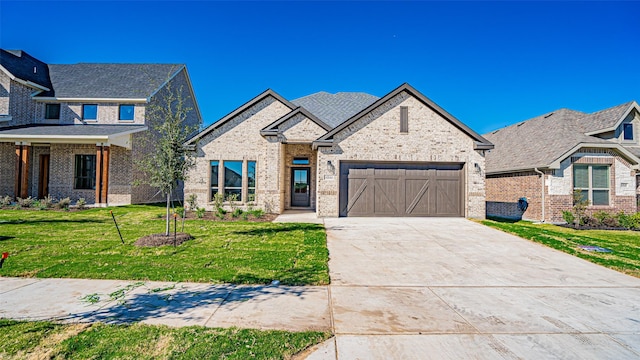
<point>620,124</point>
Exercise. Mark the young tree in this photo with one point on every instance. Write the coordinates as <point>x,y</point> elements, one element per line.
<point>168,161</point>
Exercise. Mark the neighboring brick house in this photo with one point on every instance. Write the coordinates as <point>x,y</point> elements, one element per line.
<point>75,130</point>
<point>547,158</point>
<point>344,154</point>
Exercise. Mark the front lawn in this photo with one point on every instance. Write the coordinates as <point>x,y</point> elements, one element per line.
<point>85,244</point>
<point>625,245</point>
<point>48,340</point>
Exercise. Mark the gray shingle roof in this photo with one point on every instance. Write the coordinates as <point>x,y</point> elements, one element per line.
<point>70,130</point>
<point>120,81</point>
<point>22,65</point>
<point>604,119</point>
<point>540,141</point>
<point>333,109</point>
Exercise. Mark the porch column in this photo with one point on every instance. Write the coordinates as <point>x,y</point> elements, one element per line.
<point>21,185</point>
<point>98,172</point>
<point>105,174</point>
<point>102,173</point>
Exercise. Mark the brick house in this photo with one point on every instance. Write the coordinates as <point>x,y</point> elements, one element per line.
<point>344,154</point>
<point>75,130</point>
<point>547,158</point>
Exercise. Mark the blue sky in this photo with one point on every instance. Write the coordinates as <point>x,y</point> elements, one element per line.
<point>490,64</point>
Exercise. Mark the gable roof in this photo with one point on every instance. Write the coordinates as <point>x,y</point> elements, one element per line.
<point>108,81</point>
<point>480,142</point>
<point>272,129</point>
<point>25,68</point>
<point>543,141</point>
<point>240,110</point>
<point>333,109</point>
<point>607,119</point>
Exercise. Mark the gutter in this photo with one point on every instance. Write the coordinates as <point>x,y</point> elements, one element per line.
<point>541,184</point>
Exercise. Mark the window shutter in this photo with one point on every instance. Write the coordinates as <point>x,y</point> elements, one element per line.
<point>404,119</point>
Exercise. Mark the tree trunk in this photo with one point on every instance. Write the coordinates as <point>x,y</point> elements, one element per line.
<point>168,222</point>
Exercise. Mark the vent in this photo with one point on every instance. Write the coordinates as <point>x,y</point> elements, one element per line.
<point>548,115</point>
<point>404,119</point>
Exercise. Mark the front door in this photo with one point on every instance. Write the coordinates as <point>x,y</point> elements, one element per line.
<point>43,177</point>
<point>300,189</point>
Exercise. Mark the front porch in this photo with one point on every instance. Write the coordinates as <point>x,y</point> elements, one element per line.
<point>61,162</point>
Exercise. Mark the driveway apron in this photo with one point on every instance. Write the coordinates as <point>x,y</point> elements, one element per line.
<point>449,288</point>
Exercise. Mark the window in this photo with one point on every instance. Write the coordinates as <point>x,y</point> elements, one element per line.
<point>126,112</point>
<point>233,179</point>
<point>52,111</point>
<point>404,119</point>
<point>236,182</point>
<point>215,185</point>
<point>89,112</point>
<point>300,161</point>
<point>251,181</point>
<point>593,182</point>
<point>85,172</point>
<point>628,131</point>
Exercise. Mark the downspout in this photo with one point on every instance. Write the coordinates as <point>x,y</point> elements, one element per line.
<point>541,184</point>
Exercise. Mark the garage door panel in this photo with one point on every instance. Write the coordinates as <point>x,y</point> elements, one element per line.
<point>392,189</point>
<point>447,197</point>
<point>385,197</point>
<point>359,200</point>
<point>417,197</point>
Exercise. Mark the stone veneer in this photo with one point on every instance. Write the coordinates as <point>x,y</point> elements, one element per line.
<point>504,190</point>
<point>239,139</point>
<point>377,137</point>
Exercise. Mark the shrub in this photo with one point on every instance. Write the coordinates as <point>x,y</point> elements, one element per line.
<point>180,211</point>
<point>47,202</point>
<point>220,214</point>
<point>568,217</point>
<point>25,203</point>
<point>236,212</point>
<point>218,200</point>
<point>64,204</point>
<point>233,199</point>
<point>606,219</point>
<point>192,201</point>
<point>257,213</point>
<point>81,203</point>
<point>590,221</point>
<point>6,201</point>
<point>629,221</point>
<point>200,212</point>
<point>245,216</point>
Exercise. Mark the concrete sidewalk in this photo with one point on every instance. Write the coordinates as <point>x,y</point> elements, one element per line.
<point>293,308</point>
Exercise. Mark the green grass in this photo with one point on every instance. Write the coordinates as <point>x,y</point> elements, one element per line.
<point>85,244</point>
<point>625,244</point>
<point>99,341</point>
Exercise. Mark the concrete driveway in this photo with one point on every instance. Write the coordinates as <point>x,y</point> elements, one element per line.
<point>440,288</point>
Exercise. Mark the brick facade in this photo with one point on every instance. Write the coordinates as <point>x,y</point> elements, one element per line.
<point>504,190</point>
<point>123,172</point>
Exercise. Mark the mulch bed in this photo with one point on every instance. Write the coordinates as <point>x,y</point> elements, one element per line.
<point>212,216</point>
<point>588,227</point>
<point>155,240</point>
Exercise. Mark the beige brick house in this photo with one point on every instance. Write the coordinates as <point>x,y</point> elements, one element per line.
<point>344,154</point>
<point>547,158</point>
<point>75,130</point>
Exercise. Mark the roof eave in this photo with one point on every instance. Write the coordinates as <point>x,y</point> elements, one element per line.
<point>477,145</point>
<point>119,100</point>
<point>517,170</point>
<point>240,110</point>
<point>626,153</point>
<point>411,90</point>
<point>634,105</point>
<point>321,143</point>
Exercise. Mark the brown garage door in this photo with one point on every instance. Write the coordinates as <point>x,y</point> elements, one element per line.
<point>385,189</point>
